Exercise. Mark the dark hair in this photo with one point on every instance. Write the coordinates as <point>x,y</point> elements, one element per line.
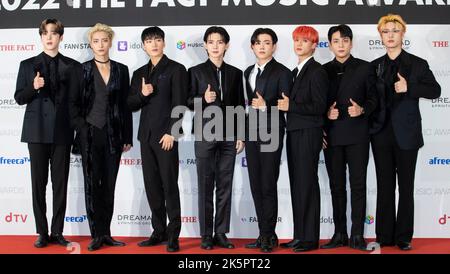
<point>344,30</point>
<point>59,26</point>
<point>215,29</point>
<point>260,31</point>
<point>152,33</point>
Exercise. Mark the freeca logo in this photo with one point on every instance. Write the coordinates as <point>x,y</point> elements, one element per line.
<point>14,161</point>
<point>323,44</point>
<point>77,219</point>
<point>438,161</point>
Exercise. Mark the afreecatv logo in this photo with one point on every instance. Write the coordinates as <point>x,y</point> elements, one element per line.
<point>77,219</point>
<point>14,161</point>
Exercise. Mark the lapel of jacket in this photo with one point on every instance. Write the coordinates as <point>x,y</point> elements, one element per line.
<point>264,77</point>
<point>211,78</point>
<point>348,75</point>
<point>299,77</point>
<point>39,65</point>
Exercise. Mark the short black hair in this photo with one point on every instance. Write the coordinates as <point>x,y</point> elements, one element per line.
<point>59,26</point>
<point>260,31</point>
<point>215,29</point>
<point>151,33</point>
<point>345,31</point>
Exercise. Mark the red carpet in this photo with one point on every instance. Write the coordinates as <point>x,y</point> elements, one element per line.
<point>24,245</point>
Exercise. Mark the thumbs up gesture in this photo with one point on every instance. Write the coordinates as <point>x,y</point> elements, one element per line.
<point>333,112</point>
<point>38,81</point>
<point>147,89</point>
<point>401,86</point>
<point>210,96</point>
<point>355,110</point>
<point>283,104</point>
<point>258,103</point>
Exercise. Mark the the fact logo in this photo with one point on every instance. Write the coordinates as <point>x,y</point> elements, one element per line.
<point>443,220</point>
<point>122,46</point>
<point>17,47</point>
<point>440,44</point>
<point>16,218</point>
<point>181,45</point>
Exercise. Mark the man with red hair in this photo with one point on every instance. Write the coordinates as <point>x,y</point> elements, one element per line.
<point>305,105</point>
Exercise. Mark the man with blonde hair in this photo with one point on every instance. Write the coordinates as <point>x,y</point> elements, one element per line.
<point>396,128</point>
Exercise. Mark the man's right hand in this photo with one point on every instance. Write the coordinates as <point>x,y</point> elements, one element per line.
<point>210,96</point>
<point>38,81</point>
<point>333,113</point>
<point>147,89</point>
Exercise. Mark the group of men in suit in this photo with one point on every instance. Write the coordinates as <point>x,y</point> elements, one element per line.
<point>340,107</point>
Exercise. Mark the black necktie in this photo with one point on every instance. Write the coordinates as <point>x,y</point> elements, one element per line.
<point>53,78</point>
<point>219,79</point>
<point>258,76</point>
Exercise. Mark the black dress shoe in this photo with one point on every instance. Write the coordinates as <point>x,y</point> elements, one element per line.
<point>173,245</point>
<point>404,246</point>
<point>255,244</point>
<point>338,240</point>
<point>358,242</point>
<point>207,242</point>
<point>274,240</point>
<point>266,244</point>
<point>220,239</point>
<point>58,239</point>
<point>95,244</point>
<point>384,244</point>
<point>41,241</point>
<point>306,246</point>
<point>108,240</point>
<point>153,240</point>
<point>291,244</point>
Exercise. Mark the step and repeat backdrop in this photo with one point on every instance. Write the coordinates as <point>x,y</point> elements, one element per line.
<point>184,22</point>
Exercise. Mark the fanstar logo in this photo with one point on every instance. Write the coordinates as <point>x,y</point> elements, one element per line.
<point>181,45</point>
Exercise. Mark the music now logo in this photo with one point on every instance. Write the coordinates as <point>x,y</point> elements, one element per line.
<point>444,219</point>
<point>16,218</point>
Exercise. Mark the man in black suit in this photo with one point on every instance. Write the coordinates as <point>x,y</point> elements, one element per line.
<point>265,82</point>
<point>216,85</point>
<point>156,89</point>
<point>305,105</point>
<point>104,126</point>
<point>44,83</point>
<point>351,99</point>
<point>396,127</point>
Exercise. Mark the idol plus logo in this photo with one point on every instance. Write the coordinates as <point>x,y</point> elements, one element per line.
<point>16,218</point>
<point>122,46</point>
<point>444,219</point>
<point>14,161</point>
<point>369,219</point>
<point>326,220</point>
<point>438,161</point>
<point>440,44</point>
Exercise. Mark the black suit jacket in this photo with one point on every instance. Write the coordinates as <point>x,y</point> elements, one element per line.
<point>357,83</point>
<point>405,114</point>
<point>119,120</point>
<point>308,97</point>
<point>232,88</point>
<point>47,121</point>
<point>273,81</point>
<point>169,80</point>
